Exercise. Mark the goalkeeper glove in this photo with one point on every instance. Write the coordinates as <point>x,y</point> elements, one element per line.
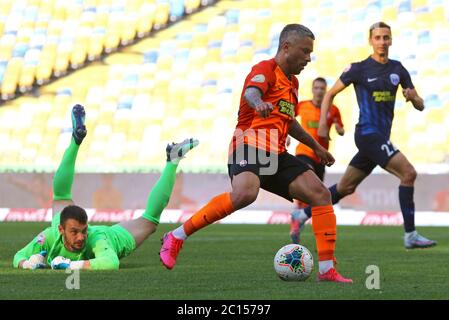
<point>63,263</point>
<point>36,261</point>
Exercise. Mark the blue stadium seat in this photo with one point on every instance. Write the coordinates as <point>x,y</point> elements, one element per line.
<point>405,6</point>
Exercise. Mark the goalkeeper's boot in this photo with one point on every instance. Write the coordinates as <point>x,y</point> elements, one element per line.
<point>333,276</point>
<point>79,128</point>
<point>169,250</point>
<point>177,151</point>
<point>414,240</point>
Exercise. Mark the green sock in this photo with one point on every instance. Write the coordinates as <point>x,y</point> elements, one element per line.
<point>160,194</point>
<point>63,179</point>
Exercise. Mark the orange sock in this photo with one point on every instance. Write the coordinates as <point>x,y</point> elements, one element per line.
<point>324,224</point>
<point>218,208</point>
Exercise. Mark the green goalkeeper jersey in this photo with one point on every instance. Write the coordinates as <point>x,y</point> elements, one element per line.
<point>104,246</point>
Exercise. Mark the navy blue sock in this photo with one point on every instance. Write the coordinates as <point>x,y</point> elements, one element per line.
<point>335,198</point>
<point>308,211</point>
<point>334,194</point>
<point>407,207</point>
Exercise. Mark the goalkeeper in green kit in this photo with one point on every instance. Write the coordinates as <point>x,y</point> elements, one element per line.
<point>70,242</point>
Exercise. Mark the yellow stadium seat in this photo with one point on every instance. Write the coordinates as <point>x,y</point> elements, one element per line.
<point>145,20</point>
<point>191,5</point>
<point>416,4</point>
<point>60,12</point>
<point>129,33</point>
<point>245,54</point>
<point>61,63</point>
<point>161,15</point>
<point>95,46</point>
<point>216,33</point>
<point>112,40</point>
<point>101,20</point>
<point>5,52</point>
<point>200,40</point>
<point>41,24</point>
<point>11,78</point>
<point>438,13</point>
<point>44,71</point>
<point>26,79</point>
<point>79,52</point>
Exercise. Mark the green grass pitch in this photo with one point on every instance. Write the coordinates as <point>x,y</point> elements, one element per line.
<point>236,262</point>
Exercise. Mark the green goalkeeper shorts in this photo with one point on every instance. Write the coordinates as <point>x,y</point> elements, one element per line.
<point>123,240</point>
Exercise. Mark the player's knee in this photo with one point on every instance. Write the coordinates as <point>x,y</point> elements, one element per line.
<point>409,176</point>
<point>243,198</point>
<point>320,196</point>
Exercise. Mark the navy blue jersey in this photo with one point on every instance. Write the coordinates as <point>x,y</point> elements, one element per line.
<point>376,85</point>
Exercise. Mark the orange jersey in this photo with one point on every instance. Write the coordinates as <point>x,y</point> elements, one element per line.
<point>267,133</point>
<point>310,119</point>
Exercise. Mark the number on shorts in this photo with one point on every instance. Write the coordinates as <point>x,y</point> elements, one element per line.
<point>389,148</point>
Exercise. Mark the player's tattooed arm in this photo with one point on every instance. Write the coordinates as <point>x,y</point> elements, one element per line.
<point>297,132</point>
<point>253,97</point>
<point>416,100</point>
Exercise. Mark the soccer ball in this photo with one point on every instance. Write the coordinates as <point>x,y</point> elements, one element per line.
<point>293,262</point>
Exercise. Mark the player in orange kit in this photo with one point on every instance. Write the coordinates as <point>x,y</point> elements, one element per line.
<point>258,156</point>
<point>309,111</point>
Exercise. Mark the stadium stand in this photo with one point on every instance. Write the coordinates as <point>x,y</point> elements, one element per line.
<point>186,80</point>
<point>41,39</point>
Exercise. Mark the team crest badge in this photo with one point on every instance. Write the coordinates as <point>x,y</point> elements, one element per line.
<point>40,239</point>
<point>394,78</point>
<point>260,78</point>
<point>243,163</point>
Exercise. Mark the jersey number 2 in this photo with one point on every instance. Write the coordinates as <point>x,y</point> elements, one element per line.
<point>389,148</point>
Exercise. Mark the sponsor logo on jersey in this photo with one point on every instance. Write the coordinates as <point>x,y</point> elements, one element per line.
<point>383,96</point>
<point>259,78</point>
<point>394,78</point>
<point>40,238</point>
<point>313,124</point>
<point>286,107</point>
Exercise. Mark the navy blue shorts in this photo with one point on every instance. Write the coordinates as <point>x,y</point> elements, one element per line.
<point>374,150</point>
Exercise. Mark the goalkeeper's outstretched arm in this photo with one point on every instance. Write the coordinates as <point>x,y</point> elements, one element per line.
<point>101,263</point>
<point>32,256</point>
<point>105,259</point>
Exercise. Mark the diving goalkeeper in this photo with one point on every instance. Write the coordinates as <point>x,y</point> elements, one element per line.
<point>70,242</point>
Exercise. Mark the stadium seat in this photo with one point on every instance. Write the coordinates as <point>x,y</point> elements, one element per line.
<point>187,79</point>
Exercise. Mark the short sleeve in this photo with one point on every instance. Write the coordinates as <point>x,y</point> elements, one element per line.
<point>350,74</point>
<point>261,77</point>
<point>406,80</point>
